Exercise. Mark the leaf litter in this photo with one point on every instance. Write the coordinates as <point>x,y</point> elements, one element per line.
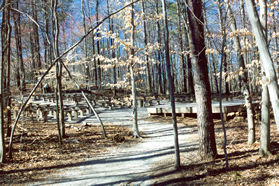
<point>37,152</point>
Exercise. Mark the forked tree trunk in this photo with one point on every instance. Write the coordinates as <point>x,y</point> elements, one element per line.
<point>268,66</point>
<point>207,143</point>
<point>171,88</point>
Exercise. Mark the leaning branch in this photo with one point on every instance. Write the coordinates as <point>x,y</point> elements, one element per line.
<point>86,99</point>
<point>52,64</point>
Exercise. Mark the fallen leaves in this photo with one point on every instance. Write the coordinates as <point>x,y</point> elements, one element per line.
<point>39,152</point>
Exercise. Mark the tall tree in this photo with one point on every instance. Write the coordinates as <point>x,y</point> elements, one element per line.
<point>148,75</point>
<point>207,143</point>
<point>188,40</point>
<point>20,66</point>
<point>244,79</point>
<point>265,114</point>
<point>98,47</point>
<point>131,67</point>
<point>184,80</point>
<point>161,72</point>
<point>84,27</point>
<point>5,49</point>
<point>271,79</point>
<point>171,87</point>
<point>59,95</point>
<point>47,45</point>
<point>35,36</point>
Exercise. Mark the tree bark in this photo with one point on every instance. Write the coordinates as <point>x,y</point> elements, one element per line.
<point>244,78</point>
<point>84,28</point>
<point>59,95</point>
<point>99,70</point>
<point>148,74</point>
<point>188,59</point>
<point>207,143</point>
<point>36,36</point>
<point>184,80</point>
<point>160,61</point>
<point>171,88</point>
<point>20,65</point>
<point>131,67</point>
<point>5,49</point>
<point>266,58</point>
<point>265,114</point>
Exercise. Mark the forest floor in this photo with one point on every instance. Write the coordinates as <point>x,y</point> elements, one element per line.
<point>86,158</point>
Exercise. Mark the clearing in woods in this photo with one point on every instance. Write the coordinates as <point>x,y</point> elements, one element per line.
<point>84,160</point>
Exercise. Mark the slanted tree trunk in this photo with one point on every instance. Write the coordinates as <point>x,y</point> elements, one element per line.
<point>207,143</point>
<point>265,114</point>
<point>271,79</point>
<point>244,78</point>
<point>171,88</point>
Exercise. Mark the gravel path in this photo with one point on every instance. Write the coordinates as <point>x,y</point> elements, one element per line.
<point>129,164</point>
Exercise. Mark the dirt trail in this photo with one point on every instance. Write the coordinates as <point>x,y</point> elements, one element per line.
<point>128,164</point>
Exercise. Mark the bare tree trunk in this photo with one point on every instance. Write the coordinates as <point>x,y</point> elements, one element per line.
<point>20,65</point>
<point>5,49</point>
<point>47,46</point>
<point>265,114</point>
<point>148,75</point>
<point>208,45</point>
<point>98,47</point>
<point>113,54</point>
<point>160,61</point>
<point>268,66</point>
<point>223,59</point>
<point>171,89</point>
<point>184,80</point>
<point>207,143</point>
<point>36,36</point>
<point>188,59</point>
<point>60,107</point>
<point>244,78</point>
<point>84,28</point>
<point>51,66</point>
<point>131,67</point>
